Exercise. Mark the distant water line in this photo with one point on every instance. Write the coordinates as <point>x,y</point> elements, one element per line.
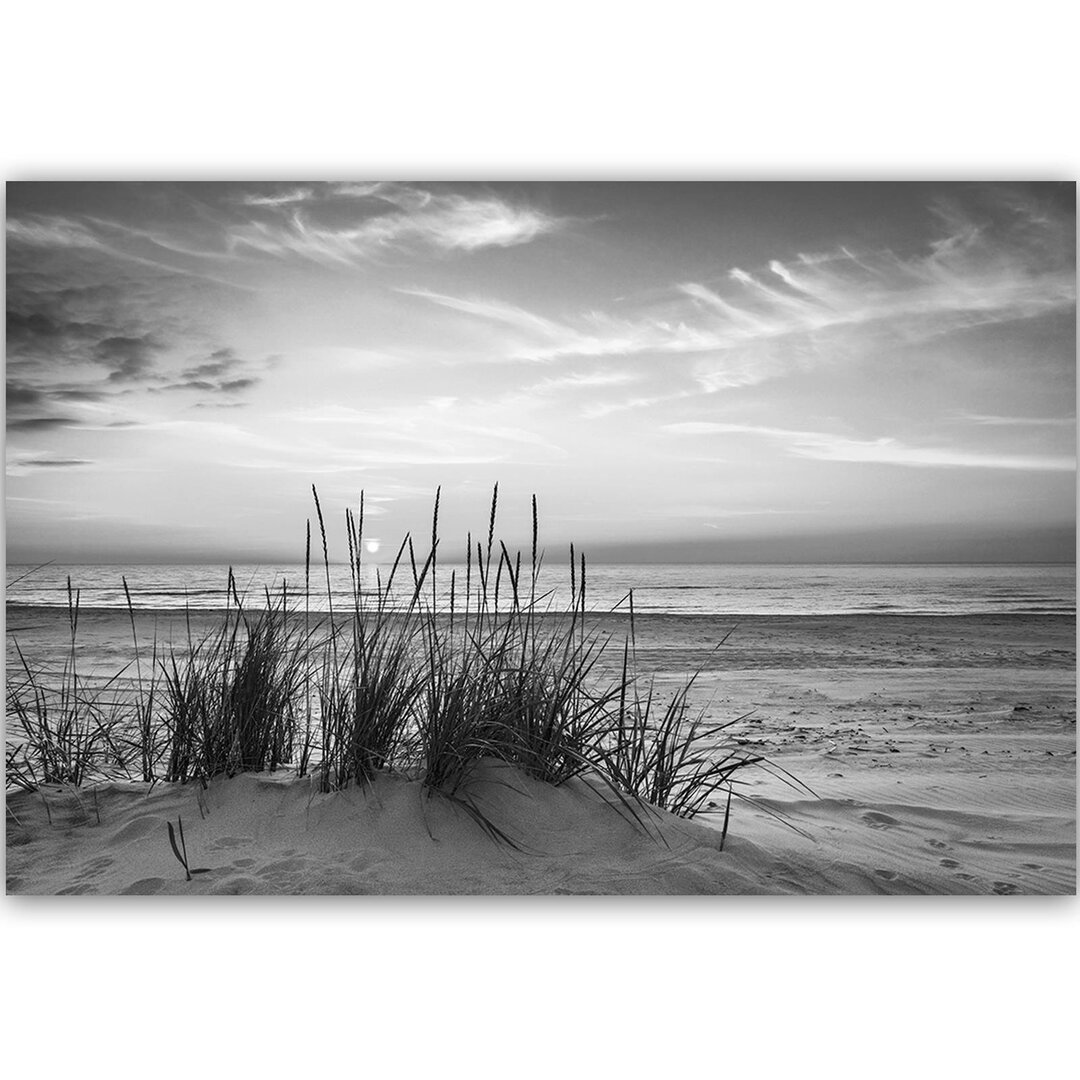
<point>670,589</point>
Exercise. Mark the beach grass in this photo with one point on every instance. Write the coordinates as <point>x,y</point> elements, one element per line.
<point>396,682</point>
<point>62,730</point>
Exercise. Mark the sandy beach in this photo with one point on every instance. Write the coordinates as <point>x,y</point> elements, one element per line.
<point>941,751</point>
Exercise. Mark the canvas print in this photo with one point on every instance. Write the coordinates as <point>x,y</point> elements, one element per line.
<point>396,537</point>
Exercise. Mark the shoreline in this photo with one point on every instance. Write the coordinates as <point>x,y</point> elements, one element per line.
<point>639,613</point>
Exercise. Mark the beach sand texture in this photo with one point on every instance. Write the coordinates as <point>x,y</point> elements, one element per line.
<point>942,752</point>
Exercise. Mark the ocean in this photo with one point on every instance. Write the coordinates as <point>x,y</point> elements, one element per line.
<point>670,589</point>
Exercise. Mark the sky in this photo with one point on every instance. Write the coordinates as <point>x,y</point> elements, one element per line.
<point>778,372</point>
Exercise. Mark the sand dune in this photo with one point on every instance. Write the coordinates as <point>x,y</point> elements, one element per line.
<point>943,753</point>
<point>273,834</point>
<point>276,834</point>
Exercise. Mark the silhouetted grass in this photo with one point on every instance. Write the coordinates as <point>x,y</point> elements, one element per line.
<point>232,703</point>
<point>69,731</point>
<point>389,683</point>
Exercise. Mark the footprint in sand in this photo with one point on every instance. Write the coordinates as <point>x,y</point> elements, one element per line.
<point>1032,866</point>
<point>937,844</point>
<point>137,830</point>
<point>283,874</point>
<point>95,868</point>
<point>1004,888</point>
<point>225,842</point>
<point>888,875</point>
<point>145,887</point>
<point>877,820</point>
<point>949,864</point>
<point>239,885</point>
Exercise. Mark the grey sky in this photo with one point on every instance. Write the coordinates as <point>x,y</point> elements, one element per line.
<point>685,371</point>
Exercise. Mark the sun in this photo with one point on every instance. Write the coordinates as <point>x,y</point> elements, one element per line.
<point>372,546</point>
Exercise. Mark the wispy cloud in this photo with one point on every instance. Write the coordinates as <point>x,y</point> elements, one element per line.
<point>584,380</point>
<point>58,234</point>
<point>417,433</point>
<point>496,311</point>
<point>40,423</point>
<point>223,372</point>
<point>824,446</point>
<point>1017,421</point>
<point>21,463</point>
<point>608,408</point>
<point>127,357</point>
<point>282,198</point>
<point>51,231</point>
<point>753,325</point>
<point>389,217</point>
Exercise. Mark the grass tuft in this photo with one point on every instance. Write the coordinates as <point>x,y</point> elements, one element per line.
<point>391,681</point>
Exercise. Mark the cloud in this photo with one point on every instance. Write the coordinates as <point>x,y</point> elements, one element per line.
<point>542,339</point>
<point>443,222</point>
<point>129,357</point>
<point>58,334</point>
<point>232,386</point>
<point>20,464</point>
<point>54,463</point>
<point>891,452</point>
<point>823,446</point>
<point>335,224</point>
<point>42,330</point>
<point>423,432</point>
<point>79,395</point>
<point>60,236</point>
<point>403,196</point>
<point>40,423</point>
<point>498,312</point>
<point>607,408</point>
<point>30,408</point>
<point>220,362</point>
<point>583,380</point>
<point>752,325</point>
<point>1018,421</point>
<point>693,427</point>
<point>81,344</point>
<point>283,198</point>
<point>50,231</point>
<point>222,372</point>
<point>19,395</point>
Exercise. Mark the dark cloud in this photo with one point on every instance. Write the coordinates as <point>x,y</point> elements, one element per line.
<point>33,408</point>
<point>44,338</point>
<point>62,317</point>
<point>220,362</point>
<point>40,423</point>
<point>38,328</point>
<point>221,372</point>
<point>19,394</point>
<point>53,463</point>
<point>29,408</point>
<point>79,394</point>
<point>191,384</point>
<point>208,370</point>
<point>129,357</point>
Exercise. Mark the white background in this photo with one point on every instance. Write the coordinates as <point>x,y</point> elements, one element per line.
<point>883,987</point>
